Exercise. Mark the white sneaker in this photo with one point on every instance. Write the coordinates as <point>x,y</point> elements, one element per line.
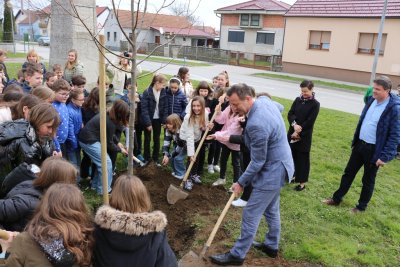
<point>210,169</point>
<point>240,203</point>
<point>177,176</point>
<point>217,168</point>
<point>219,182</point>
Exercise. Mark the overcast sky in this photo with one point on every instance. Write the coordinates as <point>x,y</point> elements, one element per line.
<point>205,9</point>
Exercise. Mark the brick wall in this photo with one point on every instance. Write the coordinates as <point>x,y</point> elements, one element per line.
<point>230,19</point>
<point>273,21</point>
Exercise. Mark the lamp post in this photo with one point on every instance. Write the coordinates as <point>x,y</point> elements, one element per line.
<point>10,6</point>
<point>378,44</point>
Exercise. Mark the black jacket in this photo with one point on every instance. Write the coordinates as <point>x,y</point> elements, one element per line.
<point>304,112</point>
<point>127,239</point>
<point>19,143</point>
<point>17,208</point>
<point>90,133</point>
<point>149,106</point>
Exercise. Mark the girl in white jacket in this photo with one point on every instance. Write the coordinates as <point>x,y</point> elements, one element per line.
<point>193,126</point>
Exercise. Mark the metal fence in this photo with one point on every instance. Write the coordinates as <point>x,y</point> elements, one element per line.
<point>213,55</point>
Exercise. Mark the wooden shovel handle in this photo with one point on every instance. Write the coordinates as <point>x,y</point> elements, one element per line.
<point>197,151</point>
<point>4,234</point>
<point>216,227</point>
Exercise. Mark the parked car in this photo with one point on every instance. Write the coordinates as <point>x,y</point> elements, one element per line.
<point>44,40</point>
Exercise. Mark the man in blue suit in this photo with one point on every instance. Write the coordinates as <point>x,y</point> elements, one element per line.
<point>271,164</point>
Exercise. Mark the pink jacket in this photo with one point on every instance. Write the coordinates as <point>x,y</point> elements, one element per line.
<point>231,127</point>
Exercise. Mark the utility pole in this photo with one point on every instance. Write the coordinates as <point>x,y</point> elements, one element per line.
<point>378,44</point>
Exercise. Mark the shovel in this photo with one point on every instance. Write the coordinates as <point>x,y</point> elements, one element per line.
<point>190,258</point>
<point>175,193</point>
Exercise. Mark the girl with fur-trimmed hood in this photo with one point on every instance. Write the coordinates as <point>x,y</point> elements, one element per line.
<point>127,233</point>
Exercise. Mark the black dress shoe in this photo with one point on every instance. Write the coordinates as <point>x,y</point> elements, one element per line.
<point>273,253</point>
<point>300,188</point>
<point>226,259</point>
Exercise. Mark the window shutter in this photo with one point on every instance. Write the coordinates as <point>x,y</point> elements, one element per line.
<point>365,41</point>
<point>326,37</point>
<point>315,37</point>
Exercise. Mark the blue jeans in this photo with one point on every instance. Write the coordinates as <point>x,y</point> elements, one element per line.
<point>94,152</point>
<point>261,202</point>
<point>75,158</point>
<point>178,162</point>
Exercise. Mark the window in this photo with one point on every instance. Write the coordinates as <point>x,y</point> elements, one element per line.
<point>236,36</point>
<point>367,43</point>
<point>250,20</point>
<point>265,38</point>
<point>108,36</point>
<point>319,40</point>
<point>115,36</point>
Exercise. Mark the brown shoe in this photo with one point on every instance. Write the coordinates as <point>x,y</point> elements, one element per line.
<point>330,202</point>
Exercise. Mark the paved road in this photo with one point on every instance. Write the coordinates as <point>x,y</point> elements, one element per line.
<point>333,99</point>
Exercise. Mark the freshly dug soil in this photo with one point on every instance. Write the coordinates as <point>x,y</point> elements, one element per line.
<point>181,216</point>
<point>202,206</point>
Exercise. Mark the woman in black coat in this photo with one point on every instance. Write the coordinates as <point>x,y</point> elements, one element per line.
<point>129,234</point>
<point>301,117</point>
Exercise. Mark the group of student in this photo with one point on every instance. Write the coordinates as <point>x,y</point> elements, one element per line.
<point>43,122</point>
<point>43,128</point>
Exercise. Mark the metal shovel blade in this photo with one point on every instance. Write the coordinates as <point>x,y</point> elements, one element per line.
<point>190,259</point>
<point>175,193</point>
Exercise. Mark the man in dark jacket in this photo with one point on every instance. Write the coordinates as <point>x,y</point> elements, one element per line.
<point>374,143</point>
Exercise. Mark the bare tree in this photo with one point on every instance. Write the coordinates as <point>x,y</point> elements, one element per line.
<point>183,9</point>
<point>138,12</point>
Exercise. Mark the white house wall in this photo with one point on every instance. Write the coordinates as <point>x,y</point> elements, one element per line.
<point>101,20</point>
<point>249,45</point>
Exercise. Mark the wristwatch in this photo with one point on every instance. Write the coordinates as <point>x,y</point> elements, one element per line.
<point>293,123</point>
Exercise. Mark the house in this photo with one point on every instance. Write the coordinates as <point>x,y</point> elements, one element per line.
<point>37,22</point>
<point>32,22</point>
<point>102,14</point>
<point>253,27</point>
<point>336,39</point>
<point>154,28</point>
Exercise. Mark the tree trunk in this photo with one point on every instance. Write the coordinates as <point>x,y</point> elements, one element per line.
<point>132,93</point>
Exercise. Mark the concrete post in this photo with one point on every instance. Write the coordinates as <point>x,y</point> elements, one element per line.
<point>68,32</point>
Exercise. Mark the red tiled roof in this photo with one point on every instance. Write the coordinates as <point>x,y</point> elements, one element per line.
<point>100,9</point>
<point>208,29</point>
<point>31,16</point>
<point>343,8</point>
<point>147,20</point>
<point>268,5</point>
<point>185,31</point>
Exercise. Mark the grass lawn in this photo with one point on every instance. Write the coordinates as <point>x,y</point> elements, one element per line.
<point>316,82</point>
<point>16,55</point>
<point>313,232</point>
<point>173,61</point>
<point>256,63</point>
<point>13,68</point>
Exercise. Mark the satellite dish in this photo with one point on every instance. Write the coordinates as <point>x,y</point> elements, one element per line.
<point>161,30</point>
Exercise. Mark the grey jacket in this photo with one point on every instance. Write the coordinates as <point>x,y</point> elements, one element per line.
<point>265,137</point>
